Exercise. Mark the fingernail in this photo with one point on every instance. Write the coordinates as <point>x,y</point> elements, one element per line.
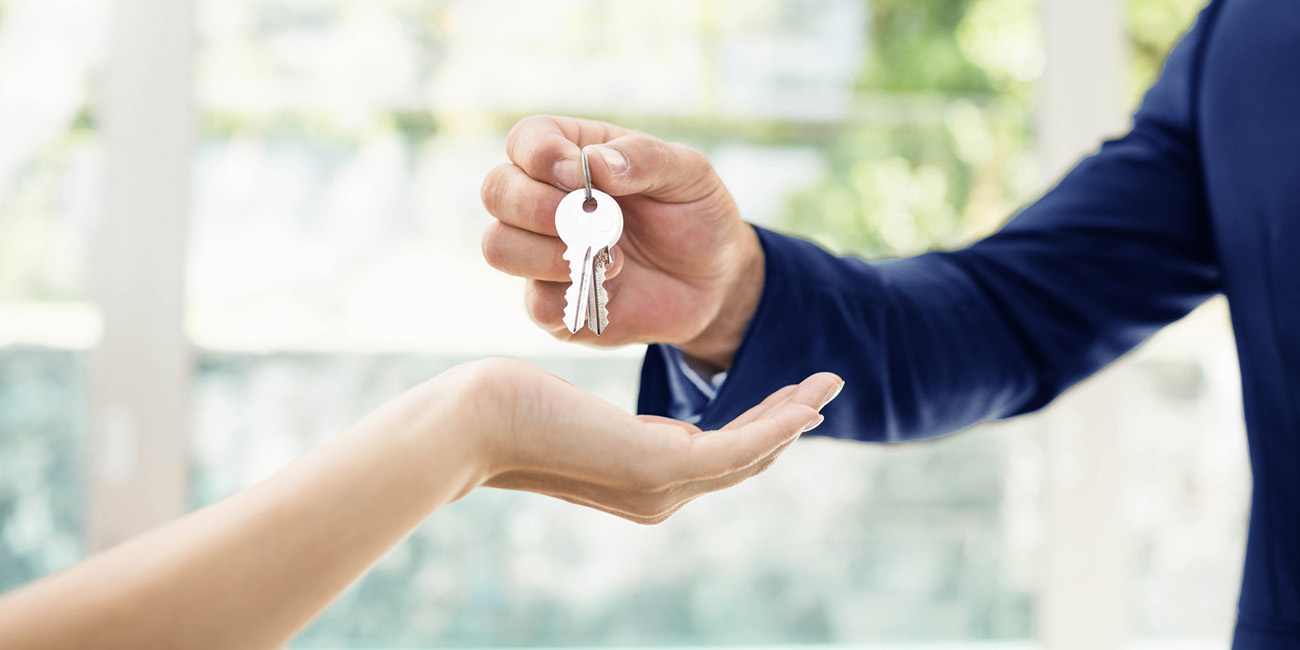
<point>813,423</point>
<point>614,159</point>
<point>565,172</point>
<point>833,394</point>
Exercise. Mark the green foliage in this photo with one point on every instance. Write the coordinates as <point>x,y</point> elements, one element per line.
<point>1154,26</point>
<point>940,150</point>
<point>955,47</point>
<point>944,118</point>
<point>914,49</point>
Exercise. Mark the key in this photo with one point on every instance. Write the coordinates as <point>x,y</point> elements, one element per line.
<point>588,237</point>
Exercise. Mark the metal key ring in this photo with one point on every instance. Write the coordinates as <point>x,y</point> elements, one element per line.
<point>586,172</point>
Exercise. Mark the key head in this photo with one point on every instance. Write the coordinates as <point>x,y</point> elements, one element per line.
<point>596,229</point>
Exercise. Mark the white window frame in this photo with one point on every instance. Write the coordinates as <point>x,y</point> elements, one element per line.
<point>137,472</point>
<point>1083,601</point>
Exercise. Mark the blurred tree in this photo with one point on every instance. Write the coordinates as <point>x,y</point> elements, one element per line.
<point>948,156</point>
<point>1153,27</point>
<point>944,107</point>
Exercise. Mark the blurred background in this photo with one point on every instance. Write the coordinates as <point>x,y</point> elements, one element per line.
<point>228,228</point>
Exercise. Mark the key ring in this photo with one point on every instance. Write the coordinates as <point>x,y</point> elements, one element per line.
<point>586,173</point>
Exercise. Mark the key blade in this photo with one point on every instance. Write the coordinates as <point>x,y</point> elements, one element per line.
<point>597,311</point>
<point>593,321</point>
<point>575,297</point>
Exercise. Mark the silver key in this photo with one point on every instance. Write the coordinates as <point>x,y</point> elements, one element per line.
<point>588,237</point>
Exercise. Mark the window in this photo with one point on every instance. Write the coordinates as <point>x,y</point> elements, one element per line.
<point>51,173</point>
<point>333,246</point>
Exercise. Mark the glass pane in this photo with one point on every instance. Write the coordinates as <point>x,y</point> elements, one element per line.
<point>50,163</point>
<point>51,173</point>
<point>42,432</point>
<point>1186,480</point>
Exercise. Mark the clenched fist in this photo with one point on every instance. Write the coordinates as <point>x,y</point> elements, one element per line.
<point>687,271</point>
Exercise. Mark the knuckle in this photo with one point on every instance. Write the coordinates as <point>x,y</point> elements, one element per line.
<point>693,157</point>
<point>535,302</point>
<point>502,194</point>
<point>540,300</point>
<point>651,153</point>
<point>699,173</point>
<point>527,144</point>
<point>490,189</point>
<point>521,129</point>
<point>492,244</point>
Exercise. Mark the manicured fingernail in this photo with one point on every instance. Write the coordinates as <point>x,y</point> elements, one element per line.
<point>813,423</point>
<point>832,395</point>
<point>565,172</point>
<point>614,159</point>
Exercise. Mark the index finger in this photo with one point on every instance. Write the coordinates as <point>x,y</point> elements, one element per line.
<point>537,143</point>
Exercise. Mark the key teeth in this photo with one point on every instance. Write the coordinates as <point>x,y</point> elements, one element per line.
<point>575,312</point>
<point>571,309</point>
<point>599,320</point>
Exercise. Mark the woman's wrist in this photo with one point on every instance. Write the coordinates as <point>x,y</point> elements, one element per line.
<point>428,443</point>
<point>447,431</point>
<point>471,412</point>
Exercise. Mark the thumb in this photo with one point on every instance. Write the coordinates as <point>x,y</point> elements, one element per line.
<point>640,164</point>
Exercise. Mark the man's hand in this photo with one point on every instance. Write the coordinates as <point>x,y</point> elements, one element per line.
<point>539,433</point>
<point>687,271</point>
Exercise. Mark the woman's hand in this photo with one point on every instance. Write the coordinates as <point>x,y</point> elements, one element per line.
<point>542,434</point>
<point>251,570</point>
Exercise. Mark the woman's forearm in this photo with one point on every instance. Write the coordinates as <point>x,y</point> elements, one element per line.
<point>250,571</point>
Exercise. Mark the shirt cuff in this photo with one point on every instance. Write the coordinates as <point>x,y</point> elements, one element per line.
<point>689,393</point>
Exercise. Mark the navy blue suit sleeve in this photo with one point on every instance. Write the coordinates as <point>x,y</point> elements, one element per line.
<point>932,344</point>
